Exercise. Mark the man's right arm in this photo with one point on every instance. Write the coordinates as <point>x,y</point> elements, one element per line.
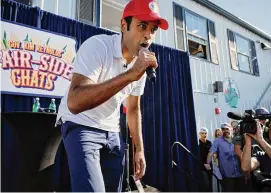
<point>213,150</point>
<point>85,94</point>
<point>209,157</point>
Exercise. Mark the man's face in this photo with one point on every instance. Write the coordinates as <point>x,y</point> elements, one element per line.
<point>140,34</point>
<point>226,132</point>
<point>203,135</point>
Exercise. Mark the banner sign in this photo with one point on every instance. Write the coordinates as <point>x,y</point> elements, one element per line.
<point>35,62</point>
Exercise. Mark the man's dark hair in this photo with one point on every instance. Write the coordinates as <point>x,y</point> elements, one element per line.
<point>128,21</point>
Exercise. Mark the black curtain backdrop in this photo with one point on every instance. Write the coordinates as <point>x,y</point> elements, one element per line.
<point>167,105</point>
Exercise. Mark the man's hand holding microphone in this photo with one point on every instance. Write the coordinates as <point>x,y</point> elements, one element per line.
<point>146,62</point>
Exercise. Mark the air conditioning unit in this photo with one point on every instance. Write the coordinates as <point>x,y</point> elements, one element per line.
<point>218,86</point>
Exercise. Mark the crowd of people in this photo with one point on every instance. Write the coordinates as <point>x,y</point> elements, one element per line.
<point>233,156</point>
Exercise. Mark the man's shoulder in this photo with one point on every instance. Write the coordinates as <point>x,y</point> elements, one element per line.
<point>104,37</point>
<point>101,39</point>
<point>218,139</point>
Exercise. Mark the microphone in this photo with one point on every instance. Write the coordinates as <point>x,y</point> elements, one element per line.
<point>151,74</point>
<point>235,116</point>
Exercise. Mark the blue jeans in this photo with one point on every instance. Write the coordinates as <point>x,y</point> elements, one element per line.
<point>95,158</point>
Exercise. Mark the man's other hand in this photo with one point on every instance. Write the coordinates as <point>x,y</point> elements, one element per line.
<point>140,165</point>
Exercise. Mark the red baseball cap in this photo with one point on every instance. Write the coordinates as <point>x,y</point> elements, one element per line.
<point>145,10</point>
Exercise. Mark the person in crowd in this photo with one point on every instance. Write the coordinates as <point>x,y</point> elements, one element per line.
<point>229,164</point>
<point>204,146</point>
<point>218,133</point>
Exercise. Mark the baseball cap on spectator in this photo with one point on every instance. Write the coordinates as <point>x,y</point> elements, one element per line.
<point>145,10</point>
<point>261,111</point>
<point>225,125</point>
<point>203,130</point>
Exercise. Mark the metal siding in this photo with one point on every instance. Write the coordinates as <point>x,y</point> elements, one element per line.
<point>204,74</point>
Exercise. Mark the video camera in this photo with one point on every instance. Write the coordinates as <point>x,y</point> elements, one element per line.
<point>249,120</point>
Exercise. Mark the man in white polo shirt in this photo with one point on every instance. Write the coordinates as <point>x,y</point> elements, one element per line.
<point>108,70</point>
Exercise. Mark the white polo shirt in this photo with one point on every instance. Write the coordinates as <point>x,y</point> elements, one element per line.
<point>100,58</point>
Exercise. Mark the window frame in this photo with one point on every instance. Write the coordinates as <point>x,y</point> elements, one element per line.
<point>94,12</point>
<point>180,28</point>
<point>208,46</point>
<point>197,15</point>
<point>112,4</point>
<point>250,52</point>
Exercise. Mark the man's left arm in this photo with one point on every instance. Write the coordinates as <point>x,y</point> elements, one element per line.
<point>135,127</point>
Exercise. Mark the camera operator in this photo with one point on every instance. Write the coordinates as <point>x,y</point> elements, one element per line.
<point>260,160</point>
<point>238,140</point>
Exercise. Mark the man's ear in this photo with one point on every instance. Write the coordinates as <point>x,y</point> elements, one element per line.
<point>123,25</point>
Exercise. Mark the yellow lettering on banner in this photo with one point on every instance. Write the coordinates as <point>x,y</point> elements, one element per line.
<point>49,51</point>
<point>15,44</point>
<point>59,53</point>
<point>59,67</point>
<point>44,59</point>
<point>26,59</point>
<point>25,77</point>
<point>40,49</point>
<point>50,82</point>
<point>67,72</point>
<point>16,58</point>
<point>43,76</point>
<point>14,77</point>
<point>6,60</point>
<point>29,46</point>
<point>34,79</point>
<point>55,66</point>
<point>52,64</point>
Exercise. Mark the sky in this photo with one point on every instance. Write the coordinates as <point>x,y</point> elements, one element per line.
<point>255,12</point>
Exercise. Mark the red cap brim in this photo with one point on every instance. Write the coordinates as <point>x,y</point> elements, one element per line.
<point>163,24</point>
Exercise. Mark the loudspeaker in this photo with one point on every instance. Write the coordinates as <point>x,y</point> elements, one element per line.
<point>218,86</point>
